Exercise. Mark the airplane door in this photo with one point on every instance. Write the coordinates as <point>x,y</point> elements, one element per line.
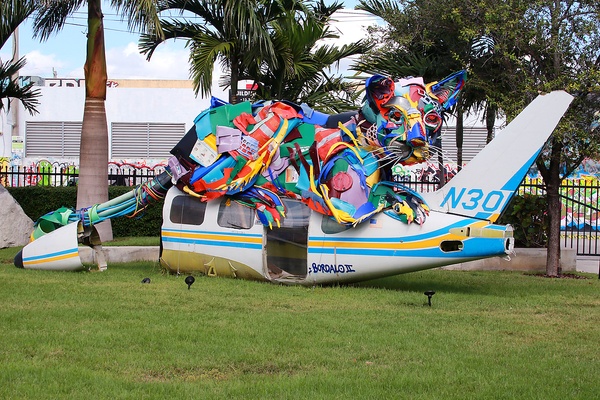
<point>287,246</point>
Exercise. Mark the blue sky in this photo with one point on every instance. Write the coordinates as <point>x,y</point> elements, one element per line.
<point>64,53</point>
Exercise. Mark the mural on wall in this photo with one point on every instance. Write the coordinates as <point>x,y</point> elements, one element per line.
<point>56,172</point>
<point>426,172</point>
<point>4,163</point>
<point>587,176</point>
<point>576,216</point>
<point>579,201</point>
<point>41,172</point>
<point>589,169</point>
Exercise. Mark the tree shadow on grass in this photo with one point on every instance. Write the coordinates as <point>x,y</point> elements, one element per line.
<point>464,282</point>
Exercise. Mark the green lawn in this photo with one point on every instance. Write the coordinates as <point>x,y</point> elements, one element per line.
<point>134,241</point>
<point>105,335</point>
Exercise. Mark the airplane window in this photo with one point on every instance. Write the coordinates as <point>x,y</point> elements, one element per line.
<point>187,210</point>
<point>331,226</point>
<point>234,215</point>
<point>297,214</point>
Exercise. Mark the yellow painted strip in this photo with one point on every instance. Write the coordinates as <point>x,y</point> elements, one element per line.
<point>213,236</point>
<point>419,244</point>
<point>494,217</point>
<point>50,259</point>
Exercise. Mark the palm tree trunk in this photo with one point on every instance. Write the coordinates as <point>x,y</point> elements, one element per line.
<point>92,187</point>
<point>93,154</point>
<point>441,169</point>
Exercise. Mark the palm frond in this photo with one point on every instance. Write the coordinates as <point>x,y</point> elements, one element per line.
<point>172,29</point>
<point>204,51</point>
<point>10,88</point>
<point>379,8</point>
<point>51,16</point>
<point>210,12</point>
<point>142,14</point>
<point>12,14</point>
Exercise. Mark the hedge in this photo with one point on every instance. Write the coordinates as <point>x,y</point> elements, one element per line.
<point>528,217</point>
<point>40,200</point>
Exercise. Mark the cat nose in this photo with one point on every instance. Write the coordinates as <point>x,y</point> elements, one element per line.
<point>416,135</point>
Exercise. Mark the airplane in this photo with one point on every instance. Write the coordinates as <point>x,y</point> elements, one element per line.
<point>317,238</point>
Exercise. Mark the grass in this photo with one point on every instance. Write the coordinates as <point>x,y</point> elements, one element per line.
<point>134,241</point>
<point>490,335</point>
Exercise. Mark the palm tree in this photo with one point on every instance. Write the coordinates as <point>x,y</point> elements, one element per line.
<point>93,157</point>
<point>300,72</point>
<point>12,14</point>
<point>233,32</point>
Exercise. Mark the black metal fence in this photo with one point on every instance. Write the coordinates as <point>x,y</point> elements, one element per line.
<point>67,175</point>
<point>580,212</point>
<point>580,225</point>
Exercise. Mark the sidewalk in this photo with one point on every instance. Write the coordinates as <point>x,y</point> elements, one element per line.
<point>589,264</point>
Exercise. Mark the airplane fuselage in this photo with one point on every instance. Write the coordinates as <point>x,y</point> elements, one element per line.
<point>225,239</point>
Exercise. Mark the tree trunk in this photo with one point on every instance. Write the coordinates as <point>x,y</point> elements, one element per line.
<point>552,179</point>
<point>459,136</point>
<point>490,121</point>
<point>234,75</point>
<point>92,186</point>
<point>441,168</point>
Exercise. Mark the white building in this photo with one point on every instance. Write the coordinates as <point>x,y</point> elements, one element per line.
<point>145,119</point>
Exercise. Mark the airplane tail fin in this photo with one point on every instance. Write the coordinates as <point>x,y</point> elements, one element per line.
<point>483,188</point>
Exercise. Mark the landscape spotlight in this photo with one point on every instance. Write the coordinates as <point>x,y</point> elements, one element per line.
<point>429,294</point>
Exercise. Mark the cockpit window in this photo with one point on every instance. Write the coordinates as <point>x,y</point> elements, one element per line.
<point>234,215</point>
<point>187,210</point>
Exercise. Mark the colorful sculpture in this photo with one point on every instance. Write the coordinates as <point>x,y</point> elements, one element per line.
<point>339,165</point>
<point>335,164</point>
<point>339,171</point>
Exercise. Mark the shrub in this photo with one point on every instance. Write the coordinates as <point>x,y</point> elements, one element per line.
<point>37,201</point>
<point>527,215</point>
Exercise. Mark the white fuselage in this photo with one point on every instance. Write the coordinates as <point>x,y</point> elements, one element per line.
<point>310,248</point>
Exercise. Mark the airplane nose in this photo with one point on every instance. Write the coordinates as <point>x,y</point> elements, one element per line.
<point>18,260</point>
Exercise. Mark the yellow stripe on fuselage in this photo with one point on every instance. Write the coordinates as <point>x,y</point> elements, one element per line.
<point>214,236</point>
<point>50,259</point>
<point>376,243</point>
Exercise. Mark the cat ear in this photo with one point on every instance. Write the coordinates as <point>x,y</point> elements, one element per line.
<point>380,90</point>
<point>447,90</point>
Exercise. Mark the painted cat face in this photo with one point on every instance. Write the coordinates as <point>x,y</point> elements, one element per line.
<point>404,117</point>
